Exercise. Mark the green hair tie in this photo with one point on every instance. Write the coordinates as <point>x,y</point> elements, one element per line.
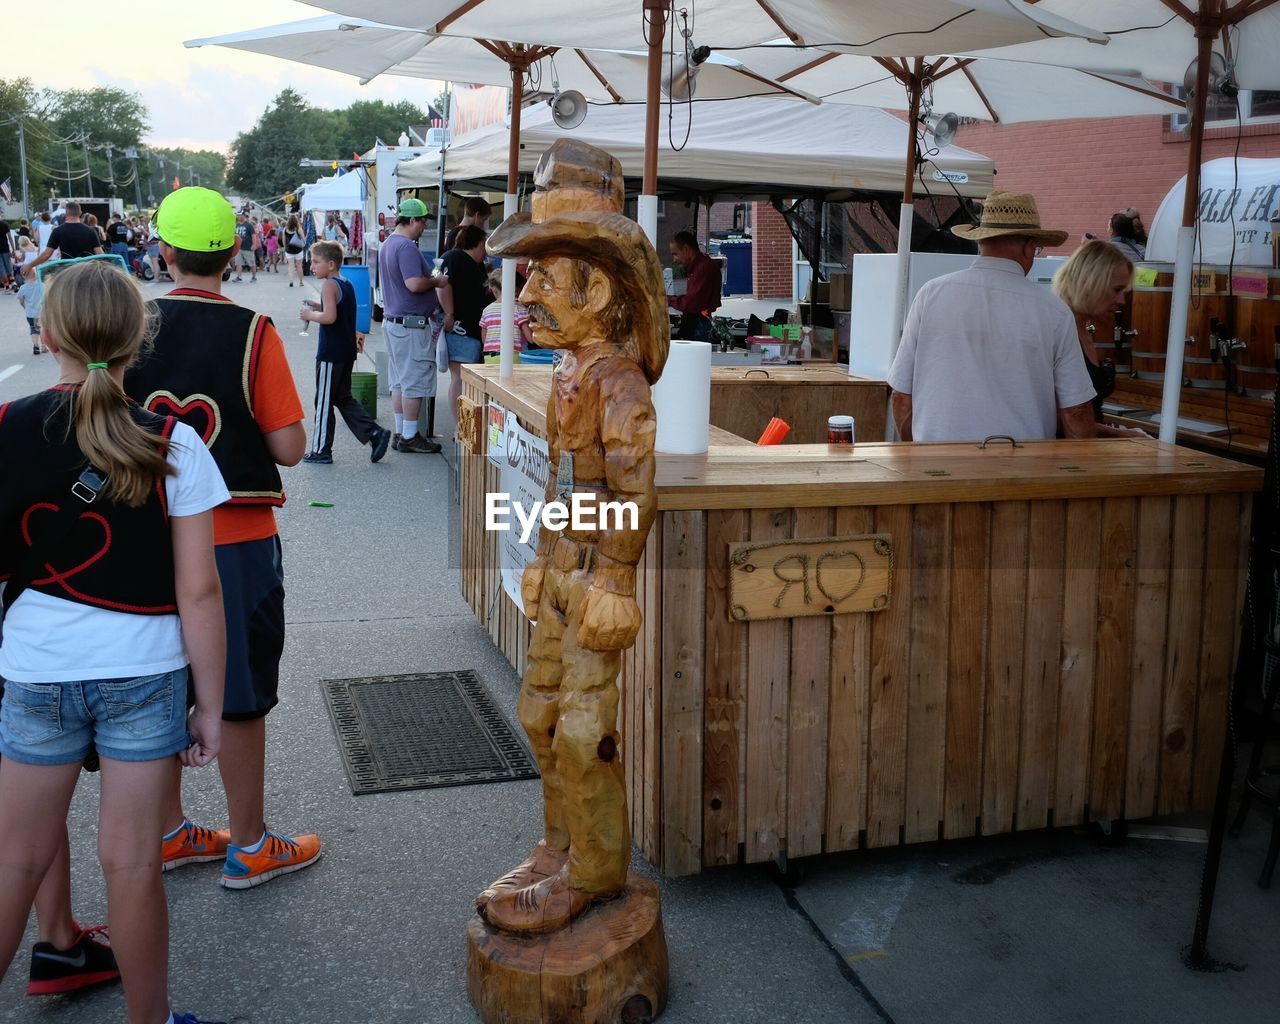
<point>97,366</point>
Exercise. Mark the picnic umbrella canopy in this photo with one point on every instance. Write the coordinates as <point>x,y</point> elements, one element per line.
<point>1169,40</point>
<point>364,48</point>
<point>990,89</point>
<point>884,27</point>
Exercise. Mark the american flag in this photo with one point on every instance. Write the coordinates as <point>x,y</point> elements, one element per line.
<point>6,189</point>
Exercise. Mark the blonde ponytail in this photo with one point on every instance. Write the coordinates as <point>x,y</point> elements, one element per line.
<point>96,315</point>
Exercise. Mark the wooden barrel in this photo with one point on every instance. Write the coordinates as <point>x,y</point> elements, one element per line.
<point>1151,307</point>
<point>1149,316</point>
<point>1257,323</point>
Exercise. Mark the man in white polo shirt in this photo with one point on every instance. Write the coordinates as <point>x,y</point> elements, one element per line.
<point>985,351</point>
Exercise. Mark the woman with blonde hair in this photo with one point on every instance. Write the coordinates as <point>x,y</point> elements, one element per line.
<point>1093,283</point>
<point>100,655</point>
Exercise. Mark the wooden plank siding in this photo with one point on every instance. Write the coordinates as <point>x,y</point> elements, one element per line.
<point>1049,655</point>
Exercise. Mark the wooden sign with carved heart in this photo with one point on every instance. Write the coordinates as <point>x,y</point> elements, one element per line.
<point>827,576</point>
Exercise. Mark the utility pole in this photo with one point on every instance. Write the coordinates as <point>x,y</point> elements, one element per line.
<point>22,163</point>
<point>84,141</point>
<point>132,154</point>
<point>111,174</point>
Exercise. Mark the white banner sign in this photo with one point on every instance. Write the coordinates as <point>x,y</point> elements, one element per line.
<point>1237,214</point>
<point>525,464</point>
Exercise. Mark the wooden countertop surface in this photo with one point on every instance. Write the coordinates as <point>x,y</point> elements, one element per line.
<point>738,474</point>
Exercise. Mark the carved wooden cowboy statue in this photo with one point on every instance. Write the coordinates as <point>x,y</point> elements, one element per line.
<point>595,294</point>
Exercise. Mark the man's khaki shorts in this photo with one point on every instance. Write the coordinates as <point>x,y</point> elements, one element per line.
<point>411,356</point>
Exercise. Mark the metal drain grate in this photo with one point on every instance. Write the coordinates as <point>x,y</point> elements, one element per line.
<point>422,731</point>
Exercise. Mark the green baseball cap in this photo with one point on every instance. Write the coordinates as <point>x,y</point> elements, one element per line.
<point>196,219</point>
<point>412,208</point>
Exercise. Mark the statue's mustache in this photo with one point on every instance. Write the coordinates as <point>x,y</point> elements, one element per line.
<point>540,315</point>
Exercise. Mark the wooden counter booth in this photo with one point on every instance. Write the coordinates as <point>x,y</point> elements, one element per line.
<point>1046,637</point>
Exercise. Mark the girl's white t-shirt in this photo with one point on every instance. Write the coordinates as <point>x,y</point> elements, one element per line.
<point>51,640</point>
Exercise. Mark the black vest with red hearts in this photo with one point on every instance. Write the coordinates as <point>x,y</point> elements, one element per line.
<point>113,556</point>
<point>201,368</point>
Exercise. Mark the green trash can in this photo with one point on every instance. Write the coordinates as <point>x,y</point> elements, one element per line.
<point>364,388</point>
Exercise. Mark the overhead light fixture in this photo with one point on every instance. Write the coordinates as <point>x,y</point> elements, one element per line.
<point>1222,82</point>
<point>943,126</point>
<point>679,82</point>
<point>568,108</point>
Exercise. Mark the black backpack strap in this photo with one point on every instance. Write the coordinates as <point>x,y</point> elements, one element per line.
<point>85,491</point>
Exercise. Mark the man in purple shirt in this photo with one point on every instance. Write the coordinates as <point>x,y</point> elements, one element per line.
<point>702,297</point>
<point>411,297</point>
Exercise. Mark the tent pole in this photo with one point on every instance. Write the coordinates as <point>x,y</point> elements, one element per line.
<point>655,15</point>
<point>1206,28</point>
<point>907,213</point>
<point>442,204</point>
<point>506,359</point>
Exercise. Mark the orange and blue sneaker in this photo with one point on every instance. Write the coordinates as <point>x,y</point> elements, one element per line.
<point>270,856</point>
<point>194,844</point>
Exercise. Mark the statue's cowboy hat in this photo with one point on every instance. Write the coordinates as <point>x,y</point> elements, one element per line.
<point>615,245</point>
<point>1010,213</point>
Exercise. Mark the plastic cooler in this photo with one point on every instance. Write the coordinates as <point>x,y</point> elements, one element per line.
<point>358,275</point>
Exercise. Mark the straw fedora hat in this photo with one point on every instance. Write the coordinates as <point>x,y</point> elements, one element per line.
<point>1010,213</point>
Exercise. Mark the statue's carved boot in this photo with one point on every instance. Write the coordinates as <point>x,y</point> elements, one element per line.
<point>545,906</point>
<point>542,863</point>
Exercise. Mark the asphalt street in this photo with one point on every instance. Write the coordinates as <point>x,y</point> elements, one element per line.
<point>1047,927</point>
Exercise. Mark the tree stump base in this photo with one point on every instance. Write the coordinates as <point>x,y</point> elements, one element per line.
<point>607,967</point>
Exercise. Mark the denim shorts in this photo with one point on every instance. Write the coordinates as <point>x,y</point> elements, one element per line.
<point>142,719</point>
<point>464,349</point>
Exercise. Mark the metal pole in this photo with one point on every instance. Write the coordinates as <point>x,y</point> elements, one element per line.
<point>111,173</point>
<point>506,352</point>
<point>84,140</point>
<point>442,202</point>
<point>22,162</point>
<point>1185,254</point>
<point>137,180</point>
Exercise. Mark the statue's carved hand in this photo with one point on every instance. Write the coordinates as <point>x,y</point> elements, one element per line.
<point>610,621</point>
<point>531,586</point>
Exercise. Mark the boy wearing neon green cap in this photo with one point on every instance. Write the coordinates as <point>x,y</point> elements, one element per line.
<point>222,369</point>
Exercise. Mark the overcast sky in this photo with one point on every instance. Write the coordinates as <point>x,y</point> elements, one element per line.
<point>197,98</point>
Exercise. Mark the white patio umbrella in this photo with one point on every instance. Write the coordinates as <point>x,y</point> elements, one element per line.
<point>996,90</point>
<point>1160,38</point>
<point>877,27</point>
<point>365,49</point>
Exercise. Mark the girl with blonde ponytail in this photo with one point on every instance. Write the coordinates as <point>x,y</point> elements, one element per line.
<point>111,611</point>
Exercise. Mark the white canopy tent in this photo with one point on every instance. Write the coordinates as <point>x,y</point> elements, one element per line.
<point>1240,197</point>
<point>746,147</point>
<point>339,192</point>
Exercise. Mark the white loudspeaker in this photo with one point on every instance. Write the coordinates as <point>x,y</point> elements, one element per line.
<point>944,128</point>
<point>569,108</point>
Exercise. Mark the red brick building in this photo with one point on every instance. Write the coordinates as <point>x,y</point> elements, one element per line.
<point>1081,172</point>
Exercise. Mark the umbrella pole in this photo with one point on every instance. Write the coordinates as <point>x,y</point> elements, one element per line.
<point>655,15</point>
<point>907,213</point>
<point>507,357</point>
<point>1186,246</point>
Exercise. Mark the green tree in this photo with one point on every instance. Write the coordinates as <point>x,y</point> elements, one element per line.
<point>161,166</point>
<point>366,120</point>
<point>19,99</point>
<point>264,161</point>
<point>113,119</point>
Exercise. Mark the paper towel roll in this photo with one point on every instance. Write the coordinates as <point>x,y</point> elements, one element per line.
<point>682,399</point>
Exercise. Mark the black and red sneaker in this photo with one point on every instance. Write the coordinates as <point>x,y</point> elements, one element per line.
<point>88,962</point>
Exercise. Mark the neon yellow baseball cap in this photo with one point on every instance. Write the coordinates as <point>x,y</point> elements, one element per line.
<point>196,219</point>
